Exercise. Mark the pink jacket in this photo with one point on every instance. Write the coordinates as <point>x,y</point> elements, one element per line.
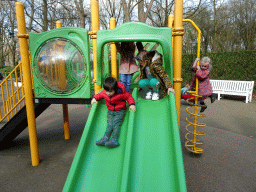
<point>127,64</point>
<point>204,85</point>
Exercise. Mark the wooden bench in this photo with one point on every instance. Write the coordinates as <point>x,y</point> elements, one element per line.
<point>230,87</point>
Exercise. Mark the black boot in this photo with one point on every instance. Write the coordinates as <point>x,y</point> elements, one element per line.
<point>213,97</point>
<point>203,108</point>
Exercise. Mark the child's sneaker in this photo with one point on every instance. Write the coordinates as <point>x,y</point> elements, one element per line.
<point>102,141</point>
<point>155,96</point>
<point>113,143</point>
<point>149,95</point>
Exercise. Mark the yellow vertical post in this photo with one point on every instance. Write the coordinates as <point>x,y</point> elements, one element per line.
<point>113,51</point>
<point>64,106</point>
<point>66,121</point>
<point>178,32</point>
<point>170,24</point>
<point>58,24</point>
<point>22,34</point>
<point>95,28</point>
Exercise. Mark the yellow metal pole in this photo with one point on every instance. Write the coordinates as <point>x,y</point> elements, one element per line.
<point>22,34</point>
<point>58,24</point>
<point>170,24</point>
<point>113,52</point>
<point>66,121</point>
<point>64,106</point>
<point>95,28</point>
<point>178,32</point>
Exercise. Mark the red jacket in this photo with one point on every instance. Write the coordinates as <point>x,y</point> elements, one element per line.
<point>118,101</point>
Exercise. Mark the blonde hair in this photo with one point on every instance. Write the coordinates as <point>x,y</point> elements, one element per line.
<point>207,60</point>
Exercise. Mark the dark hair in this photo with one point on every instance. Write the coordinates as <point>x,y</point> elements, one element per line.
<point>110,84</point>
<point>128,46</point>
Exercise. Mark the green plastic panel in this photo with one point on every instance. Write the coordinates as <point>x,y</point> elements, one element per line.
<point>136,31</point>
<point>149,157</point>
<point>61,63</point>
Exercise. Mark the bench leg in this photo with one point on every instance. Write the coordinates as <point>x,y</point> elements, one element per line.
<point>250,98</point>
<point>246,99</point>
<point>218,96</point>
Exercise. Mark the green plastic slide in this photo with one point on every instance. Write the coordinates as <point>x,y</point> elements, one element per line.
<point>149,157</point>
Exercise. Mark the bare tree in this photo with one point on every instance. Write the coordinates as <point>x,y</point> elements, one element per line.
<point>161,9</point>
<point>141,6</point>
<point>129,6</point>
<point>244,22</point>
<point>81,12</point>
<point>10,25</point>
<point>109,9</point>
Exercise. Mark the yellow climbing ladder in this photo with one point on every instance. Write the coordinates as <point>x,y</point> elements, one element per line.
<point>193,133</point>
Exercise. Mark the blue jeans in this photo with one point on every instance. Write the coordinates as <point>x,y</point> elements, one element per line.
<point>126,81</point>
<point>184,90</point>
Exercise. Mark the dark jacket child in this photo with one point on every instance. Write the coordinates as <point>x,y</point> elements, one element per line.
<point>116,96</point>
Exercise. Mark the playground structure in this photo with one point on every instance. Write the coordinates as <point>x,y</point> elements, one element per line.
<point>191,143</point>
<point>67,81</point>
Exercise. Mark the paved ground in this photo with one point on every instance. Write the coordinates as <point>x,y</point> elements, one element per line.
<point>228,163</point>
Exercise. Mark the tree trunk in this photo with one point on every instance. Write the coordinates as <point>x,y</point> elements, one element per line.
<point>143,15</point>
<point>81,13</point>
<point>31,16</point>
<point>45,19</point>
<point>126,9</point>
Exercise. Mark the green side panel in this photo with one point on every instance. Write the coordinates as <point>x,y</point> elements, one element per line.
<point>136,31</point>
<point>106,70</point>
<point>61,72</point>
<point>149,157</point>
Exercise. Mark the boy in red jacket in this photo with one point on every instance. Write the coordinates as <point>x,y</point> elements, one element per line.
<point>116,96</point>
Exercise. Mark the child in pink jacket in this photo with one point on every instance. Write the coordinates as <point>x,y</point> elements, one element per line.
<point>128,65</point>
<point>204,86</point>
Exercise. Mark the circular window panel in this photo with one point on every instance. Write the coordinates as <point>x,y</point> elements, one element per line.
<point>60,65</point>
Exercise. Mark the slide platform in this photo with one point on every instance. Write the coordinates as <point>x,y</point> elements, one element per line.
<point>149,157</point>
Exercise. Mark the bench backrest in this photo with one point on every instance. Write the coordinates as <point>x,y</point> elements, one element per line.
<point>227,85</point>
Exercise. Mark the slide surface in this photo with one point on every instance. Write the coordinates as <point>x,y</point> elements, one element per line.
<point>149,157</point>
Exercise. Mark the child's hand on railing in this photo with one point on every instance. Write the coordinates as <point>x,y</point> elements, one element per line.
<point>170,89</point>
<point>93,101</point>
<point>133,108</point>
